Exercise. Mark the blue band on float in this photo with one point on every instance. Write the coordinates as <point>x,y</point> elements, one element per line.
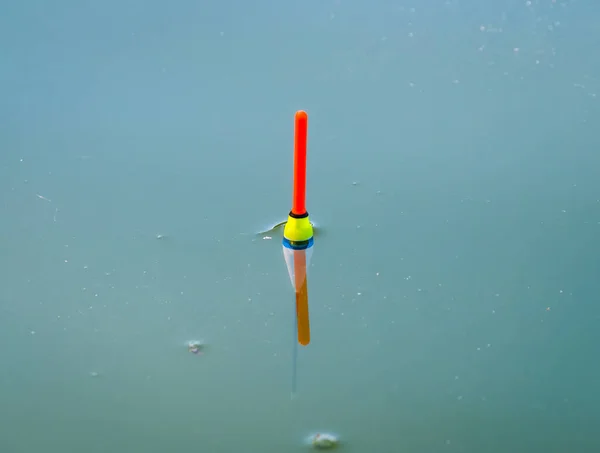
<point>298,245</point>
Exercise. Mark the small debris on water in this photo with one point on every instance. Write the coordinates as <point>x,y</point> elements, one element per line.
<point>160,236</point>
<point>196,347</point>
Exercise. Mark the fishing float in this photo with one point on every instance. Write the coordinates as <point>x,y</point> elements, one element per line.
<point>298,241</point>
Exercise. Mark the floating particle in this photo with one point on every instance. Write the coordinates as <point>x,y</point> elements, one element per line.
<point>196,347</point>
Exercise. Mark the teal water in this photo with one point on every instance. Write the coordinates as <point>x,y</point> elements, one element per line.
<point>452,168</point>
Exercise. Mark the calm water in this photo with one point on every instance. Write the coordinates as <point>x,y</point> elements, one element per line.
<point>453,162</point>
